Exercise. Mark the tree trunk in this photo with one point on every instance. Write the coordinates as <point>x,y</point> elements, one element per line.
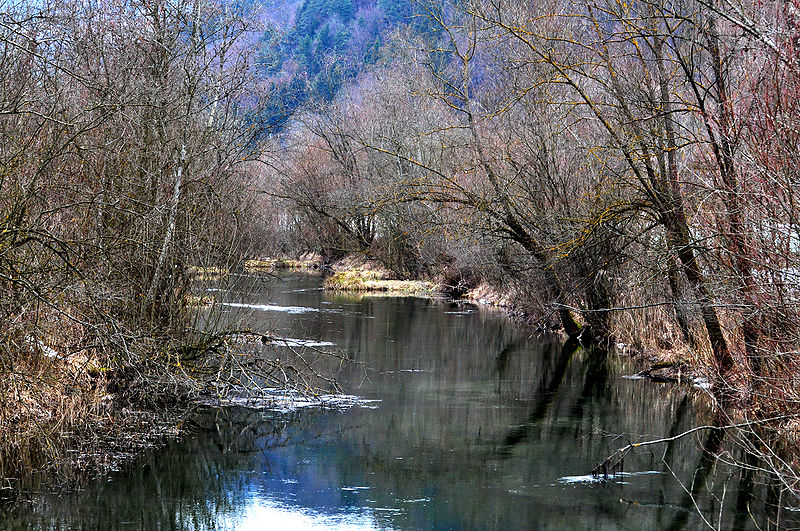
<point>680,241</point>
<point>522,236</point>
<point>737,235</point>
<point>679,235</point>
<point>155,283</point>
<point>678,303</point>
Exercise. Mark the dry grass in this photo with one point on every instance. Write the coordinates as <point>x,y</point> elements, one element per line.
<point>212,274</point>
<point>270,265</point>
<point>199,301</point>
<point>363,280</point>
<point>63,411</point>
<point>255,266</point>
<point>45,401</point>
<point>59,426</point>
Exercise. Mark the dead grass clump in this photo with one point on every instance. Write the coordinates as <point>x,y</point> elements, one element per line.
<point>60,399</point>
<point>363,280</point>
<point>210,274</point>
<point>352,279</point>
<point>306,263</point>
<point>44,399</point>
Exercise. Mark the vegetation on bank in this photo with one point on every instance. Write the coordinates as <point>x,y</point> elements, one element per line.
<point>271,265</point>
<point>625,171</point>
<point>125,138</point>
<point>364,280</point>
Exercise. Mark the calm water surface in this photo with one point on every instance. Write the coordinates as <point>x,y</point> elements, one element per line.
<point>478,426</point>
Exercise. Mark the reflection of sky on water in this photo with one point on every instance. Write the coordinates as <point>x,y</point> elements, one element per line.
<point>260,512</point>
<point>300,486</point>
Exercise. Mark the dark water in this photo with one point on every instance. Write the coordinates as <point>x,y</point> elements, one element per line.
<point>479,426</point>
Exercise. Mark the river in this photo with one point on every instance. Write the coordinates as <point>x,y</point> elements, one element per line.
<point>471,422</point>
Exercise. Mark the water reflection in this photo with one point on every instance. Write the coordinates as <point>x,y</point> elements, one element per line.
<point>547,391</point>
<point>479,426</point>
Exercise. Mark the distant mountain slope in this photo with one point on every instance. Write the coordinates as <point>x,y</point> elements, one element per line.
<point>314,47</point>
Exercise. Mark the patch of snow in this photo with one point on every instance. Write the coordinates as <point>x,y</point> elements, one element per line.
<point>589,478</point>
<point>293,342</point>
<point>271,307</point>
<point>701,383</point>
<point>303,290</point>
<point>281,401</point>
<point>47,351</point>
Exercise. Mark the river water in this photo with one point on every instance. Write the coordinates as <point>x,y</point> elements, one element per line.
<point>473,423</point>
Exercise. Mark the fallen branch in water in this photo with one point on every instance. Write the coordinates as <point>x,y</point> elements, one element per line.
<point>257,364</point>
<point>614,463</point>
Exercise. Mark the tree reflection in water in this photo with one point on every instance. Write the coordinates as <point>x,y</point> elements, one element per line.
<point>479,426</point>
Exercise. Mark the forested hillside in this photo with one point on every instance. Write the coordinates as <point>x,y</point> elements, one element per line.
<point>310,49</point>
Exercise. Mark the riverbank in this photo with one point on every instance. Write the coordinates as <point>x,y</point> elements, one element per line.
<point>88,407</point>
<point>62,420</point>
<point>659,352</point>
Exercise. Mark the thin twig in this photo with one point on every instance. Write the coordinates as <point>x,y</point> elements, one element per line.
<point>625,449</point>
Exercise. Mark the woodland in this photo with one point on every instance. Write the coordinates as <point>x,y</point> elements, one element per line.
<point>621,170</point>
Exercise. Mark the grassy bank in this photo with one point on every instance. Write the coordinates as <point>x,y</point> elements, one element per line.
<point>271,265</point>
<point>66,418</point>
<point>365,280</point>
